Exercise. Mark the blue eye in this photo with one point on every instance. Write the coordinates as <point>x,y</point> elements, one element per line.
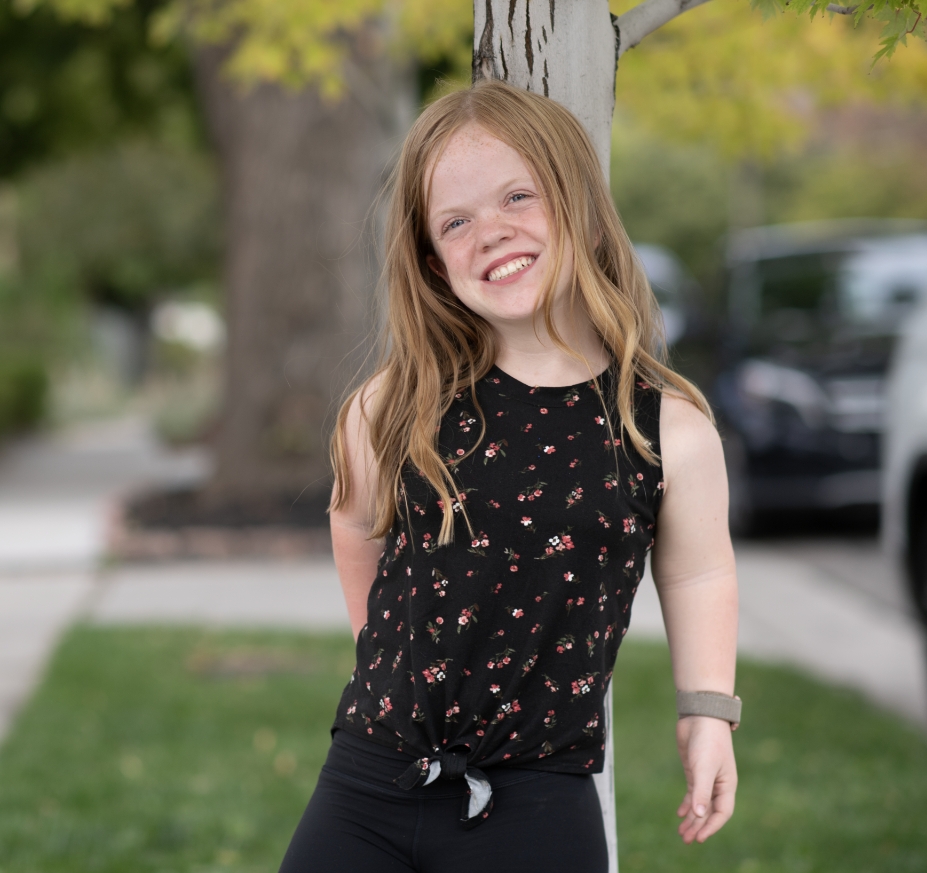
<point>451,225</point>
<point>516,197</point>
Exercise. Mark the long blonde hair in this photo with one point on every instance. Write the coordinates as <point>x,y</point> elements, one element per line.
<point>433,346</point>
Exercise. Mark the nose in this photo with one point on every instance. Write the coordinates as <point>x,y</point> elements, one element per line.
<point>494,228</point>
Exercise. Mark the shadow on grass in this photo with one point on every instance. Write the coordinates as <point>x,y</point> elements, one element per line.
<point>152,749</point>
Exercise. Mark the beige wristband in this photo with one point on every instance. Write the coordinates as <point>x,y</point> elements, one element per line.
<point>709,703</point>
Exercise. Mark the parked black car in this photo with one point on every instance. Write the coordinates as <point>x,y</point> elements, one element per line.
<point>813,313</point>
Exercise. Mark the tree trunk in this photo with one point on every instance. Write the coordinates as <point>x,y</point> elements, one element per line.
<point>299,178</point>
<point>567,51</point>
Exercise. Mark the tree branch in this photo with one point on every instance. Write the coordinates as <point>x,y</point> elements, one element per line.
<point>646,17</point>
<point>842,10</point>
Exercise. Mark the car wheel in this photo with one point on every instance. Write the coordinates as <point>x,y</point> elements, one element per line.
<point>741,512</point>
<point>918,566</point>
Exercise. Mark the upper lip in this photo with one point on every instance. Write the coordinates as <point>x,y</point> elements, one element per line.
<point>505,259</point>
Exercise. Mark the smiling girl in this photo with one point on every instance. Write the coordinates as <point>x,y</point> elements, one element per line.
<point>499,483</point>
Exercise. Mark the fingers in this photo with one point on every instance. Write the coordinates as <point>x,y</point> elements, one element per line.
<point>705,817</point>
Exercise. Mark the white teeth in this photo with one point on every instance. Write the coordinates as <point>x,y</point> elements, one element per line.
<point>512,266</point>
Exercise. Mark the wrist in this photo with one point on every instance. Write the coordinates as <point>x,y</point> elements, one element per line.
<point>711,704</point>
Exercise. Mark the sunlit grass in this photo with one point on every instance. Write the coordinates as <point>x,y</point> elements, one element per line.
<point>184,750</point>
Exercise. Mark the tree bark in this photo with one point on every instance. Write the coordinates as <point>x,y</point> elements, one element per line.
<point>565,50</point>
<point>299,178</point>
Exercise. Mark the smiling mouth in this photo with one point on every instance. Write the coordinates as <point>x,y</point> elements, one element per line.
<point>516,265</point>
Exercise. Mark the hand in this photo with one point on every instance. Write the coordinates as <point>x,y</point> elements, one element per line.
<point>706,750</point>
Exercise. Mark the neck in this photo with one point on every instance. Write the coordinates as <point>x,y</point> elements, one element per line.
<point>527,352</point>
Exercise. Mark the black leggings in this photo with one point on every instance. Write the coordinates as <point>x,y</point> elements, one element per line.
<point>358,820</point>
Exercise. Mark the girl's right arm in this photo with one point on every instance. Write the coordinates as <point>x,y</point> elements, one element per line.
<point>356,555</point>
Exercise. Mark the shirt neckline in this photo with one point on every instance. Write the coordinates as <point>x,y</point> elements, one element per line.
<point>545,395</point>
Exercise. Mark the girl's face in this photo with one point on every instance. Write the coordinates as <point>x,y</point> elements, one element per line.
<point>490,230</point>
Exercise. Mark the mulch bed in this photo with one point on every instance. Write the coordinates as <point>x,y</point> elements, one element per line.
<point>185,524</point>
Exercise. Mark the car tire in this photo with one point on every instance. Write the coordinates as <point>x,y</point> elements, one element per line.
<point>917,576</point>
<point>741,512</point>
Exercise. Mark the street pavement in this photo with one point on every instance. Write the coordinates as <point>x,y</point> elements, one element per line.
<point>831,607</point>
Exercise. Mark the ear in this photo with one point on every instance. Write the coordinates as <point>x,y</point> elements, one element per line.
<point>436,265</point>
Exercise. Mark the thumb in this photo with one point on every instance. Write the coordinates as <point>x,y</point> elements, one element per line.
<point>702,790</point>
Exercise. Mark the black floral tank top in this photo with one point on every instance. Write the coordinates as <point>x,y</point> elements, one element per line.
<point>501,645</point>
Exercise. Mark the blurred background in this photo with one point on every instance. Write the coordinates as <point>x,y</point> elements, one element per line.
<point>188,259</point>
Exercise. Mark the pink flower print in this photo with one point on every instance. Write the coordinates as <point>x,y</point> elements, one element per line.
<point>497,588</point>
<point>467,672</point>
<point>661,485</point>
<point>435,673</point>
<point>600,419</point>
<point>575,463</point>
<point>604,520</point>
<point>532,467</point>
<point>493,504</point>
<point>610,481</point>
<point>385,707</point>
<point>432,628</point>
<point>583,685</point>
<point>591,725</point>
<point>514,735</point>
<point>603,556</point>
<point>536,628</point>
<point>629,524</point>
<point>417,714</point>
<point>480,542</point>
<point>459,452</point>
<point>550,720</point>
<point>543,410</point>
<point>527,427</point>
<point>580,601</point>
<point>493,450</point>
<point>495,690</point>
<point>500,659</point>
<point>517,613</point>
<point>480,732</point>
<point>386,614</point>
<point>452,711</point>
<point>499,414</point>
<point>552,684</point>
<point>526,521</point>
<point>549,450</point>
<point>467,617</point>
<point>528,666</point>
<point>377,659</point>
<point>569,576</point>
<point>574,496</point>
<point>590,643</point>
<point>465,424</point>
<point>565,644</point>
<point>640,477</point>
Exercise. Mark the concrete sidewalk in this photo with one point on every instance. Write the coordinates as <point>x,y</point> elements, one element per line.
<point>827,607</point>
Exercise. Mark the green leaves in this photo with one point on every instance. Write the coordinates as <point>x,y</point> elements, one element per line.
<point>899,18</point>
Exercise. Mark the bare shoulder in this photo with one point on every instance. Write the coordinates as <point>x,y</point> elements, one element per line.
<point>687,435</point>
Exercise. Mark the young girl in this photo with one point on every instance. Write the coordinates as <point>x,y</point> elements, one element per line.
<point>499,483</point>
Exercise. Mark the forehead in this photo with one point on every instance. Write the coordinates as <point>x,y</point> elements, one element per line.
<point>472,159</point>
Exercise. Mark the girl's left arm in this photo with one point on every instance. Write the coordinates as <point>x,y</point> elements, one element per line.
<point>693,567</point>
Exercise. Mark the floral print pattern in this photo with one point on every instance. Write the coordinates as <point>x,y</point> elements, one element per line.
<point>507,638</point>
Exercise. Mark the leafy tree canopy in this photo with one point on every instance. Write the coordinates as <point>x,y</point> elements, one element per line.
<point>68,85</point>
<point>718,73</point>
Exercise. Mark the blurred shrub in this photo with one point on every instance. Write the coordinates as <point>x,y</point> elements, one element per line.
<point>23,391</point>
<point>122,224</point>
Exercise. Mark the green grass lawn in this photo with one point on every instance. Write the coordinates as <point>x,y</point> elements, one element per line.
<point>183,750</point>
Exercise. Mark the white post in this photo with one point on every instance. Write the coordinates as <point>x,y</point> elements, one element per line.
<point>566,50</point>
